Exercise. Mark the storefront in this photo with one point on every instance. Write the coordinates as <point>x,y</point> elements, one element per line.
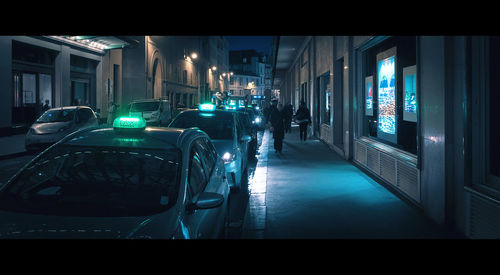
<point>32,81</point>
<point>386,120</point>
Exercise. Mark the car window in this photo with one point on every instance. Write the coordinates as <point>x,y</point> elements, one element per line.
<point>90,113</point>
<point>144,106</point>
<point>217,125</point>
<point>83,115</point>
<point>57,116</point>
<point>96,181</point>
<point>197,178</point>
<point>206,154</point>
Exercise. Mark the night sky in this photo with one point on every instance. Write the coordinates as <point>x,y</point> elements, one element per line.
<point>258,43</point>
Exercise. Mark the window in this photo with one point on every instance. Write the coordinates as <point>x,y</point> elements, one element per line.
<point>485,133</point>
<point>197,178</point>
<point>206,154</point>
<point>389,97</point>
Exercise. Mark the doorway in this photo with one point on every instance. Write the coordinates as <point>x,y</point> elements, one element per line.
<point>80,92</point>
<point>31,90</point>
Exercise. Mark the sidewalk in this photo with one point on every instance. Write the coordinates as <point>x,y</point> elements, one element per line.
<point>12,145</point>
<point>310,192</point>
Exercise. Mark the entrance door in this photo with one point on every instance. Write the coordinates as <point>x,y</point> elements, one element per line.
<point>80,94</point>
<point>26,102</point>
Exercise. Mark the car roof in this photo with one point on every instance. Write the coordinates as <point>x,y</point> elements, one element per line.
<point>149,100</point>
<point>191,110</point>
<point>150,137</point>
<point>69,108</point>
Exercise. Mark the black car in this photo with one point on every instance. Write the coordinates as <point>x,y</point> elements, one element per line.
<point>250,129</point>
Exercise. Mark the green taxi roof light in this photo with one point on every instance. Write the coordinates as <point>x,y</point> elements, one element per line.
<point>129,123</point>
<point>207,107</point>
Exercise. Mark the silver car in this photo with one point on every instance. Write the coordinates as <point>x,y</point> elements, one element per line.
<point>56,123</point>
<point>129,181</point>
<point>227,134</point>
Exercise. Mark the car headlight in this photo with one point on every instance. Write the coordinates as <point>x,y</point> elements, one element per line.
<point>228,157</point>
<point>257,120</point>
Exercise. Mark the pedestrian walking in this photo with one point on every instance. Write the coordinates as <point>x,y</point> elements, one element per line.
<point>277,125</point>
<point>303,118</point>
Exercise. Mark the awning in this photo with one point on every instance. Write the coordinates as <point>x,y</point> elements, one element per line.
<point>95,43</point>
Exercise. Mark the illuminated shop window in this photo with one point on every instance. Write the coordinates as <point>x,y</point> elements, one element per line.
<point>390,93</point>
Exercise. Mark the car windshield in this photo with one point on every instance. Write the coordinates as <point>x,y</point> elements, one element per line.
<point>57,116</point>
<point>96,181</point>
<point>217,125</point>
<point>144,106</point>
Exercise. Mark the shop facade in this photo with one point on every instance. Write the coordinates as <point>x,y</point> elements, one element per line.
<point>416,113</point>
<point>38,71</point>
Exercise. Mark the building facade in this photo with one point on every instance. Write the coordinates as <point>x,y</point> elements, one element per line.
<point>39,70</point>
<point>250,72</point>
<point>416,113</point>
<point>96,70</point>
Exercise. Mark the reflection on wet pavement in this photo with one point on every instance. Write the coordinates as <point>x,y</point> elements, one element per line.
<point>255,219</point>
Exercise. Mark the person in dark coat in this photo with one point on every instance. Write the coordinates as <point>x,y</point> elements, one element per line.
<point>277,126</point>
<point>303,118</point>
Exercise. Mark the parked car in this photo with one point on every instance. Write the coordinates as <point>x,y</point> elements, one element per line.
<point>226,133</point>
<point>250,129</point>
<point>156,112</point>
<point>56,123</point>
<point>129,181</point>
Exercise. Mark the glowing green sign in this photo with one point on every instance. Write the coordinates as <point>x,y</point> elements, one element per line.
<point>207,107</point>
<point>129,123</point>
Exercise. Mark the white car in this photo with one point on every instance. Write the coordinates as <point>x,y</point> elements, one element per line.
<point>129,181</point>
<point>227,134</point>
<point>56,123</point>
<point>156,112</point>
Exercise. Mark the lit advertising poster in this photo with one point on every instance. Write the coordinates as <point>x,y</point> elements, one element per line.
<point>410,93</point>
<point>369,96</point>
<point>387,95</point>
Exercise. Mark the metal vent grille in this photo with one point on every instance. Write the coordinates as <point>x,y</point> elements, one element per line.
<point>372,160</point>
<point>484,222</point>
<point>388,168</point>
<point>360,153</point>
<point>407,180</point>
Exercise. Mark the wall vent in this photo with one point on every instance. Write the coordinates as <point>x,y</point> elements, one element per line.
<point>408,180</point>
<point>483,222</point>
<point>372,160</point>
<point>360,153</point>
<point>388,168</point>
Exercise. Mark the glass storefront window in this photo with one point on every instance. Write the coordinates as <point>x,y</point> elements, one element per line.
<point>45,95</point>
<point>390,93</point>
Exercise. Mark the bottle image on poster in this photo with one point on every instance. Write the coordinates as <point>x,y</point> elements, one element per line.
<point>387,96</point>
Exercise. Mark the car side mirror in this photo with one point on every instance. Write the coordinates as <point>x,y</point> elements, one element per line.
<point>246,138</point>
<point>207,200</point>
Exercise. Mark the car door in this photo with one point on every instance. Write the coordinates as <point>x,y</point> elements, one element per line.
<point>242,145</point>
<point>199,222</point>
<point>214,219</point>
